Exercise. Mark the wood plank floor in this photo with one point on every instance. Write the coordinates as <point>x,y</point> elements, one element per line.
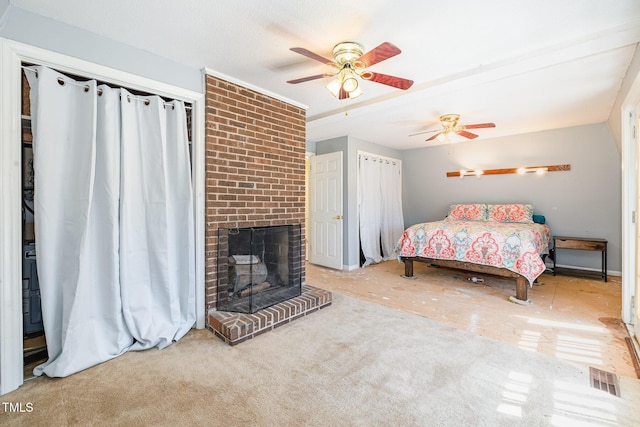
<point>572,318</point>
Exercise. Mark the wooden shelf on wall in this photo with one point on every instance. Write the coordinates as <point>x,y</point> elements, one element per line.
<point>520,170</point>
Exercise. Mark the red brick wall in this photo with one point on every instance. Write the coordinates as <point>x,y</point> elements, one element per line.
<point>255,166</point>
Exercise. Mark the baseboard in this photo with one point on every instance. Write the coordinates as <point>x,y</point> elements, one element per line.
<point>634,349</point>
<point>572,267</point>
<point>589,269</point>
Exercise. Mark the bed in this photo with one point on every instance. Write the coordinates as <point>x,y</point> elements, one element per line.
<point>500,239</point>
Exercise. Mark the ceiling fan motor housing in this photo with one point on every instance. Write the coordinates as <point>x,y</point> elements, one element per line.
<point>449,121</point>
<point>347,52</point>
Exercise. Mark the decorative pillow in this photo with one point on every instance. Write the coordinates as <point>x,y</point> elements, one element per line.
<point>510,213</point>
<point>467,212</point>
<point>539,219</point>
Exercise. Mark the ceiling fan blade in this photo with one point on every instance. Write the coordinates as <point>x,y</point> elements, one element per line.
<point>378,54</point>
<point>309,54</point>
<point>397,82</point>
<point>427,131</point>
<point>467,134</point>
<point>433,137</point>
<point>480,125</point>
<point>306,79</point>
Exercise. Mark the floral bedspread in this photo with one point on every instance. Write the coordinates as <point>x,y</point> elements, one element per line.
<point>514,246</point>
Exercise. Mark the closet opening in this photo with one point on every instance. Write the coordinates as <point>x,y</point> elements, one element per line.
<point>380,216</point>
<point>34,336</point>
<point>34,340</point>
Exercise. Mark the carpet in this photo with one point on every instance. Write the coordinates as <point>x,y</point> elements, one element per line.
<point>353,364</point>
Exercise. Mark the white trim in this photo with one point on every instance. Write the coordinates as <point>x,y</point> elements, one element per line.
<point>589,269</point>
<point>11,362</point>
<point>351,267</point>
<point>630,109</point>
<point>198,171</point>
<point>252,87</point>
<point>12,54</point>
<point>629,203</point>
<point>634,342</point>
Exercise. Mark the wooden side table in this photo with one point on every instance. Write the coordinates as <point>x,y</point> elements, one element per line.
<point>581,243</point>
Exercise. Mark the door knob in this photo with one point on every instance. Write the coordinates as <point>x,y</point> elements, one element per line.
<point>337,217</point>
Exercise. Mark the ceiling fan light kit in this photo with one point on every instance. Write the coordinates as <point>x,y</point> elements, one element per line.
<point>345,85</point>
<point>449,136</point>
<point>351,62</point>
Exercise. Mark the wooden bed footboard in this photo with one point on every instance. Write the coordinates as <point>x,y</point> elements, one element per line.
<point>521,281</point>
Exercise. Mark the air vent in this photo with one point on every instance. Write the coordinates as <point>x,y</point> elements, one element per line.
<point>605,381</point>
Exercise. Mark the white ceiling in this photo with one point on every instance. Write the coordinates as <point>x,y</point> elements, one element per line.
<point>526,66</point>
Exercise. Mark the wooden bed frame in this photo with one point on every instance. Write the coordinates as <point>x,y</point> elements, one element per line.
<point>521,281</point>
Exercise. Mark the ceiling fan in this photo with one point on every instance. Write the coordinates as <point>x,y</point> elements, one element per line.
<point>350,62</point>
<point>451,129</point>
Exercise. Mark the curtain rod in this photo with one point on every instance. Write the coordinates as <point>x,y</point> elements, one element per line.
<point>379,157</point>
<point>86,89</point>
<point>381,160</point>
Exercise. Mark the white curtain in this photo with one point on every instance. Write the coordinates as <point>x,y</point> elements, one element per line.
<point>113,218</point>
<point>392,223</point>
<point>370,208</point>
<point>380,207</point>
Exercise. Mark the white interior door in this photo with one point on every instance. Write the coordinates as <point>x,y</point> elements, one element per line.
<point>325,210</point>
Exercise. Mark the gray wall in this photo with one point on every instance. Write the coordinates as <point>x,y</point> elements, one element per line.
<point>350,147</point>
<point>42,32</point>
<point>585,201</point>
<point>310,147</point>
<point>4,5</point>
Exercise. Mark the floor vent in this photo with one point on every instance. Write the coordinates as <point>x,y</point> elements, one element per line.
<point>605,381</point>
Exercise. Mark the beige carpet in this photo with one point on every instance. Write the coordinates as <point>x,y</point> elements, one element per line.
<point>352,364</point>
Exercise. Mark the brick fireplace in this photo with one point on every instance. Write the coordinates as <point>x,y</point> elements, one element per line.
<point>255,172</point>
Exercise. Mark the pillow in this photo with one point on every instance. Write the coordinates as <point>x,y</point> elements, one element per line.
<point>510,213</point>
<point>467,212</point>
<point>539,219</point>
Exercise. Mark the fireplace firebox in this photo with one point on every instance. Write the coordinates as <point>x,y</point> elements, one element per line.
<point>258,267</point>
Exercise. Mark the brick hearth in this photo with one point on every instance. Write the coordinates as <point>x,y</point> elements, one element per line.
<point>235,328</point>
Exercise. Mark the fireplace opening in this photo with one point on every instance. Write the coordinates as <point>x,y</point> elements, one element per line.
<point>258,267</point>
